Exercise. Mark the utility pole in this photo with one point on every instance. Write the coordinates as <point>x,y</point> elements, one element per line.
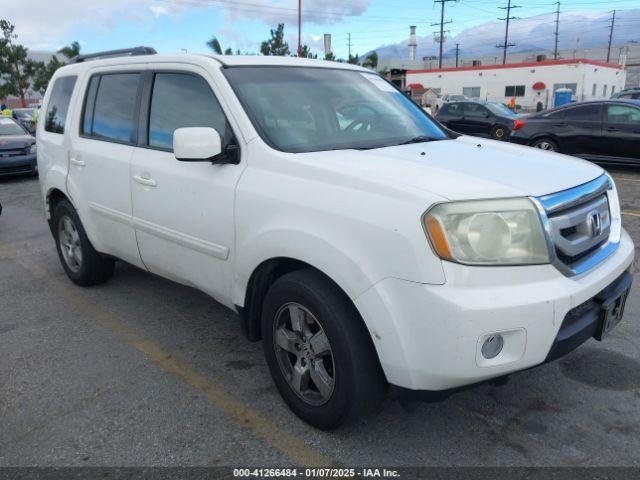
<point>349,44</point>
<point>613,21</point>
<point>555,50</point>
<point>457,53</point>
<point>442,24</point>
<point>299,28</point>
<point>506,43</point>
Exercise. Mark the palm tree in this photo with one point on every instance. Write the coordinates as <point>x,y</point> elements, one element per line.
<point>214,45</point>
<point>70,51</point>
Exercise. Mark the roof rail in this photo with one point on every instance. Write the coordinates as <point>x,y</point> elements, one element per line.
<point>124,52</point>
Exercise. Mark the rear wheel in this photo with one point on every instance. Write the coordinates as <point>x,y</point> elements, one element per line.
<point>79,259</point>
<point>499,132</point>
<point>545,144</point>
<point>319,353</point>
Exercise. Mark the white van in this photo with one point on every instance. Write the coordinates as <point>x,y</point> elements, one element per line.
<point>369,248</point>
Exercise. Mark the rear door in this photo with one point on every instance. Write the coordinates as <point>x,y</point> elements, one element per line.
<point>183,211</point>
<point>477,119</point>
<point>99,158</point>
<point>579,131</point>
<point>621,132</point>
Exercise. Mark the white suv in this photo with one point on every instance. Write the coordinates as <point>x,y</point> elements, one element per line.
<point>366,246</point>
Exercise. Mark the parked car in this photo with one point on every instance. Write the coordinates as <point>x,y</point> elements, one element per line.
<point>479,118</point>
<point>627,94</point>
<point>17,149</point>
<point>601,131</point>
<point>26,117</point>
<point>368,248</point>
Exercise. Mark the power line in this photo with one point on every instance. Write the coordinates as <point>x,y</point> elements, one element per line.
<point>555,50</point>
<point>506,43</point>
<point>442,24</point>
<point>613,21</point>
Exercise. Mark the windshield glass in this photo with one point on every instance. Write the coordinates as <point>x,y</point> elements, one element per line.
<point>26,113</point>
<point>301,109</point>
<point>9,127</point>
<point>500,109</point>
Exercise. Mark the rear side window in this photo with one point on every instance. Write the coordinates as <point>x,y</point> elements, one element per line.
<point>182,100</point>
<point>111,106</point>
<point>586,112</point>
<point>56,116</point>
<point>452,108</point>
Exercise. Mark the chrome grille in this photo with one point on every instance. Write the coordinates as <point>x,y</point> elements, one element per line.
<point>578,223</point>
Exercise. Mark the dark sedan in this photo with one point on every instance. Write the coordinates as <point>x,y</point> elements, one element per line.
<point>606,131</point>
<point>478,118</point>
<point>17,149</point>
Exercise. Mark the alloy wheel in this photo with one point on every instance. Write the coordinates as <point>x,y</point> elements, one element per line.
<point>70,247</point>
<point>543,145</point>
<point>304,354</point>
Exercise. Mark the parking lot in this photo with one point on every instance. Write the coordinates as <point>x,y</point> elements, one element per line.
<point>142,371</point>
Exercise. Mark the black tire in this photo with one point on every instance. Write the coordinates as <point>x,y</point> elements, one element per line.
<point>546,143</point>
<point>500,132</point>
<point>93,268</point>
<point>359,384</point>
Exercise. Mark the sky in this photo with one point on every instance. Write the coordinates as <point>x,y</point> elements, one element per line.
<point>177,25</point>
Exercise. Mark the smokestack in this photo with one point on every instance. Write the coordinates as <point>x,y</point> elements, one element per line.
<point>412,42</point>
<point>327,43</point>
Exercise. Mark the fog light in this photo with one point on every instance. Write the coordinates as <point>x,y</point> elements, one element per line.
<point>492,346</point>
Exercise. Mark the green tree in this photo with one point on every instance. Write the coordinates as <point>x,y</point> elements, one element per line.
<point>306,52</point>
<point>214,45</point>
<point>71,50</point>
<point>16,69</point>
<point>42,72</point>
<point>330,56</point>
<point>355,60</point>
<point>276,45</point>
<point>228,51</point>
<point>371,61</point>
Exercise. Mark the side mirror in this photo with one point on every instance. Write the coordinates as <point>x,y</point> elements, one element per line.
<point>202,144</point>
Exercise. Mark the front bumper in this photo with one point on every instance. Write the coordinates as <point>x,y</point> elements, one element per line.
<point>429,337</point>
<point>18,164</point>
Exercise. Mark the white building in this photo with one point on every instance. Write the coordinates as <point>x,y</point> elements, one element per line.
<point>529,82</point>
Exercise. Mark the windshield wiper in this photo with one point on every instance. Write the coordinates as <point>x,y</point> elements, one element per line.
<point>418,139</point>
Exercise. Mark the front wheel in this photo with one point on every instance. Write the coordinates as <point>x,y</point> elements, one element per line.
<point>319,352</point>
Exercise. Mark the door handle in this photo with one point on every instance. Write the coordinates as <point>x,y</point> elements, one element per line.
<point>145,181</point>
<point>77,161</point>
<point>611,129</point>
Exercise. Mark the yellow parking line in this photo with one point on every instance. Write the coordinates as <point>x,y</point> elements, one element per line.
<point>292,446</point>
<point>631,214</point>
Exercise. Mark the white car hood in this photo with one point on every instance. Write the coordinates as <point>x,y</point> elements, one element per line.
<point>464,168</point>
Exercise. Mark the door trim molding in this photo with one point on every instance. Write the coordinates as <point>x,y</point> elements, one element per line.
<point>187,241</point>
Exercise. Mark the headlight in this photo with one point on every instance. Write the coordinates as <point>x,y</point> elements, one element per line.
<point>488,232</point>
<point>32,148</point>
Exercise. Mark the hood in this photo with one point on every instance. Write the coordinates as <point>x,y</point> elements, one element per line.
<point>16,142</point>
<point>464,168</point>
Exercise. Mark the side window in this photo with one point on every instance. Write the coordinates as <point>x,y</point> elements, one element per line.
<point>474,110</point>
<point>623,114</point>
<point>56,115</point>
<point>586,112</point>
<point>114,106</point>
<point>514,91</point>
<point>183,100</point>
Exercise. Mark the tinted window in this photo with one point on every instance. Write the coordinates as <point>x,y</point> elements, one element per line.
<point>623,114</point>
<point>115,105</point>
<point>56,115</point>
<point>474,110</point>
<point>452,108</point>
<point>514,91</point>
<point>586,112</point>
<point>182,100</point>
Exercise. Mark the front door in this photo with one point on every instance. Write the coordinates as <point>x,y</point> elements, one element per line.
<point>621,132</point>
<point>183,211</point>
<point>579,131</point>
<point>477,119</point>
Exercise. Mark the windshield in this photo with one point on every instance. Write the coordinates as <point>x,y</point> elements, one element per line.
<point>500,109</point>
<point>302,109</point>
<point>26,113</point>
<point>9,127</point>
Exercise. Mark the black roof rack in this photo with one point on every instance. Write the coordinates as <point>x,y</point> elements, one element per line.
<point>124,52</point>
